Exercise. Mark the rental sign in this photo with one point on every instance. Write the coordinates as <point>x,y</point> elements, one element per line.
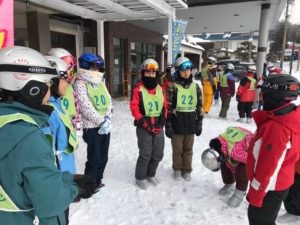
<point>6,23</point>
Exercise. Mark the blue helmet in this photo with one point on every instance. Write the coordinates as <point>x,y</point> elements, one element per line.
<point>88,60</point>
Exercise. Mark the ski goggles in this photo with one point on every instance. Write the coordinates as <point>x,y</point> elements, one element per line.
<point>151,67</point>
<point>188,65</point>
<point>68,75</point>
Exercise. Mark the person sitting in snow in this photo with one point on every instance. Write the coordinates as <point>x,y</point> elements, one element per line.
<point>148,106</point>
<point>232,148</point>
<point>274,149</point>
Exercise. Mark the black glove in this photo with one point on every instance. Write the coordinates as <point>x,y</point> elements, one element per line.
<point>199,128</point>
<point>238,98</point>
<point>169,130</point>
<point>87,185</point>
<point>215,144</point>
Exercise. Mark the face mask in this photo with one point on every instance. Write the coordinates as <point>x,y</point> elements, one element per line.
<point>94,77</point>
<point>149,82</point>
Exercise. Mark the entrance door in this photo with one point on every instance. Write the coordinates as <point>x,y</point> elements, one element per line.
<point>119,66</point>
<point>63,40</point>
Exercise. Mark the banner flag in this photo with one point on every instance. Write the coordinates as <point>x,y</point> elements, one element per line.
<point>178,31</point>
<point>6,23</point>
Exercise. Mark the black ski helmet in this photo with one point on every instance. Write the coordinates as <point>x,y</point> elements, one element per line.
<point>279,89</point>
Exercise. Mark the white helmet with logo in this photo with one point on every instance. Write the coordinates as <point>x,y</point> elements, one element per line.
<point>20,65</point>
<point>59,64</point>
<point>252,68</point>
<point>230,66</point>
<point>210,159</point>
<point>59,52</point>
<point>150,65</point>
<point>211,59</point>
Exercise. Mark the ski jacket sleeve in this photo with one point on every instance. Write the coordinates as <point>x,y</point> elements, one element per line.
<point>231,84</point>
<point>265,160</point>
<point>199,111</point>
<point>135,103</point>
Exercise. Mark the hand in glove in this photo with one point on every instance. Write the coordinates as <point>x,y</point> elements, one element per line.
<point>147,125</point>
<point>169,130</point>
<point>105,127</point>
<point>238,98</point>
<point>87,186</point>
<point>199,128</point>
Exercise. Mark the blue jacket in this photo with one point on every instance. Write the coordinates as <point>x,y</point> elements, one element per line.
<point>28,173</point>
<point>66,161</point>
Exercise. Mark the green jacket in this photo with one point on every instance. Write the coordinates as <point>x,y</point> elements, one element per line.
<point>28,173</point>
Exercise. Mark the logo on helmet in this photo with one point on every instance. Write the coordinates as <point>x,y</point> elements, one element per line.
<point>37,70</point>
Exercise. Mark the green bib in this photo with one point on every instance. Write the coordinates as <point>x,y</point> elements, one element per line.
<point>223,80</point>
<point>68,102</point>
<point>6,204</point>
<point>99,97</point>
<point>73,141</point>
<point>233,135</point>
<point>186,98</point>
<point>153,104</point>
<point>252,84</point>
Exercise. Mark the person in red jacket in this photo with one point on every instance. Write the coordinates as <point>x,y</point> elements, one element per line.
<point>148,106</point>
<point>274,149</point>
<point>246,94</point>
<point>272,69</point>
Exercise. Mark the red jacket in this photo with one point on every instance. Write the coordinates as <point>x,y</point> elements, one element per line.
<point>138,110</point>
<point>246,91</point>
<point>273,152</point>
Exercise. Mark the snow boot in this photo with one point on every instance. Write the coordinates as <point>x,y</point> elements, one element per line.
<point>288,218</point>
<point>153,180</point>
<point>186,176</point>
<point>226,189</point>
<point>236,199</point>
<point>142,184</point>
<point>249,120</point>
<point>177,174</point>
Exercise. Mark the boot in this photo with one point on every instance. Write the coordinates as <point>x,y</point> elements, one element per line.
<point>249,120</point>
<point>236,199</point>
<point>177,174</point>
<point>186,176</point>
<point>288,218</point>
<point>153,180</point>
<point>226,189</point>
<point>142,184</point>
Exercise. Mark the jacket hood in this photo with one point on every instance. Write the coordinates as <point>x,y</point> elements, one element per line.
<point>12,133</point>
<point>287,115</point>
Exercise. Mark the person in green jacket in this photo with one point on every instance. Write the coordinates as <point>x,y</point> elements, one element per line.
<point>32,189</point>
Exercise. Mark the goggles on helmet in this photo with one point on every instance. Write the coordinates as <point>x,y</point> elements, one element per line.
<point>151,67</point>
<point>70,60</point>
<point>186,66</point>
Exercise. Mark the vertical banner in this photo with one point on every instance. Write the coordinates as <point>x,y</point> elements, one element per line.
<point>178,34</point>
<point>6,23</point>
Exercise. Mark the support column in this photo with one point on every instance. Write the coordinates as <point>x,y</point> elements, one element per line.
<point>38,31</point>
<point>170,40</point>
<point>262,44</point>
<point>100,38</point>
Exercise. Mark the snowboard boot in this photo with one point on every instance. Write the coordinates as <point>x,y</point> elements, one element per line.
<point>241,120</point>
<point>236,199</point>
<point>226,189</point>
<point>187,176</point>
<point>177,174</point>
<point>142,184</point>
<point>288,218</point>
<point>153,180</point>
<point>249,120</point>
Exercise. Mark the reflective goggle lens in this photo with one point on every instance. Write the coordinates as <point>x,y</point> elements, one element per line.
<point>151,67</point>
<point>71,75</point>
<point>186,65</point>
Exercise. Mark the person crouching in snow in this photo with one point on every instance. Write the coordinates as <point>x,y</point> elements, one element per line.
<point>185,117</point>
<point>231,147</point>
<point>148,106</point>
<point>274,149</point>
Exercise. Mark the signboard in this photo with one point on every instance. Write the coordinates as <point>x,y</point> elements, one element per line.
<point>6,23</point>
<point>177,35</point>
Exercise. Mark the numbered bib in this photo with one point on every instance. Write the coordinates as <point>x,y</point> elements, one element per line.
<point>186,98</point>
<point>153,104</point>
<point>99,97</point>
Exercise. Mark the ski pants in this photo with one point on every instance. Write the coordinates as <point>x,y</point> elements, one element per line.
<point>267,214</point>
<point>225,106</point>
<point>292,201</point>
<point>97,152</point>
<point>208,95</point>
<point>245,109</point>
<point>151,152</point>
<point>239,176</point>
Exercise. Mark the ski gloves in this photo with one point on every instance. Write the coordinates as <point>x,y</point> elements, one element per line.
<point>216,145</point>
<point>87,186</point>
<point>147,125</point>
<point>105,127</point>
<point>199,127</point>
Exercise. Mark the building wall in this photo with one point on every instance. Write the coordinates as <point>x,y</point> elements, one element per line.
<point>129,33</point>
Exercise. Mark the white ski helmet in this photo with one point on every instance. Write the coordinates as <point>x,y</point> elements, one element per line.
<point>211,59</point>
<point>210,159</point>
<point>230,66</point>
<point>269,65</point>
<point>59,64</point>
<point>183,63</point>
<point>252,68</point>
<point>149,64</point>
<point>21,65</point>
<point>63,54</point>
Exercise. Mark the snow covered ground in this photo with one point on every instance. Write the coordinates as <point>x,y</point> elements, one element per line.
<point>172,202</point>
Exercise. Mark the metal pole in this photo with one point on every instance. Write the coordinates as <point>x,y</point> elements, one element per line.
<point>284,33</point>
<point>293,49</point>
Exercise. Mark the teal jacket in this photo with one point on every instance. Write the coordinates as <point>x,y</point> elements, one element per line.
<point>28,173</point>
